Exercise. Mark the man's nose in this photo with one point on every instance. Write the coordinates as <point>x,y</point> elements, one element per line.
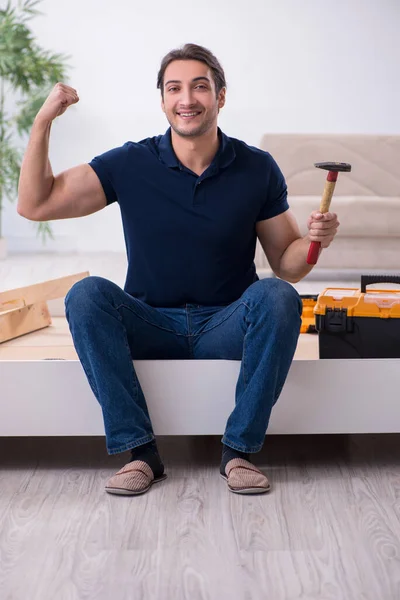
<point>187,98</point>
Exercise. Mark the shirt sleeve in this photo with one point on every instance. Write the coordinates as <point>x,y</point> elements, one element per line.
<point>276,201</point>
<point>106,166</point>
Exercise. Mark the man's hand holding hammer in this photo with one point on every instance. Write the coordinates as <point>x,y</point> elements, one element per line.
<point>322,227</point>
<point>290,255</point>
<point>326,222</point>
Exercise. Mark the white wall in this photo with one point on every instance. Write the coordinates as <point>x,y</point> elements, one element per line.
<point>291,66</point>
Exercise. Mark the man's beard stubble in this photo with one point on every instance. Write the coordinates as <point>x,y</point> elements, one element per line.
<point>197,132</point>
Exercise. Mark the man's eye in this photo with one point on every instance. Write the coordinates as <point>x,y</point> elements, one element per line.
<point>172,89</point>
<point>201,86</point>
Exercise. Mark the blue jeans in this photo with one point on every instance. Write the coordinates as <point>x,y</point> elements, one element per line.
<point>110,328</point>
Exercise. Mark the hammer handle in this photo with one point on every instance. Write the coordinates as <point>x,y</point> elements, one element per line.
<point>327,196</point>
<point>315,247</point>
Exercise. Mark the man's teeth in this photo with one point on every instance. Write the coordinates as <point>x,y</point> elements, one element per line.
<point>193,114</point>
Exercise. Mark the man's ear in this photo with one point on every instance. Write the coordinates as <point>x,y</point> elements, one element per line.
<point>221,98</point>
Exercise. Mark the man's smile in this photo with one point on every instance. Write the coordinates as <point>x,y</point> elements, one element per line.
<point>188,115</point>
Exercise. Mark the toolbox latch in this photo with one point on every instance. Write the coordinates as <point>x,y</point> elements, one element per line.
<point>336,321</point>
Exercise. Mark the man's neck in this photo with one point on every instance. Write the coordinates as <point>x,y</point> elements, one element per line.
<point>196,153</point>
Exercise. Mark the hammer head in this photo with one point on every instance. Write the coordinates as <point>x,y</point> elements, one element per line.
<point>333,166</point>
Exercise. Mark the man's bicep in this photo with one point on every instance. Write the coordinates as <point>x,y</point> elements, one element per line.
<point>76,192</point>
<point>276,234</point>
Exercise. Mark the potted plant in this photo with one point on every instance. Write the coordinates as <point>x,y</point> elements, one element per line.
<point>27,74</point>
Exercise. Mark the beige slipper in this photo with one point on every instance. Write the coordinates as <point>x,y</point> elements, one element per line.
<point>133,479</point>
<point>244,478</point>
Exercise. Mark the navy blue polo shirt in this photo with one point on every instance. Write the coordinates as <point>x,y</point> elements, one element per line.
<point>190,239</point>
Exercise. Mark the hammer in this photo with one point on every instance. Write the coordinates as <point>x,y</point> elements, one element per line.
<point>333,169</point>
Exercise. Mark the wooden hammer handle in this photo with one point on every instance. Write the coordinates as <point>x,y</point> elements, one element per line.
<point>315,247</point>
<point>327,196</point>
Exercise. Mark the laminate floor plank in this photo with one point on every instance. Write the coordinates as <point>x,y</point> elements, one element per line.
<point>328,530</point>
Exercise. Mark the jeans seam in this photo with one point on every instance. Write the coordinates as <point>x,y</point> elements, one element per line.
<point>253,449</point>
<point>187,322</point>
<point>189,335</point>
<point>136,383</point>
<point>129,446</point>
<point>149,322</point>
<point>243,365</point>
<point>85,369</point>
<point>220,322</point>
<point>90,379</point>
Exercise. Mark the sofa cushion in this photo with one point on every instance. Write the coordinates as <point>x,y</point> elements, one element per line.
<point>361,253</point>
<point>359,216</point>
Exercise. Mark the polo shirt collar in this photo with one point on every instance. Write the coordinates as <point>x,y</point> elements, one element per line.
<point>226,151</point>
<point>225,155</point>
<point>165,150</point>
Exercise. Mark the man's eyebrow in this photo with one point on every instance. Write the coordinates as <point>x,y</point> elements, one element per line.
<point>178,81</point>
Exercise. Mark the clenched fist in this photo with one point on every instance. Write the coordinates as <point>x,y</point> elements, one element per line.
<point>57,102</point>
<point>322,227</point>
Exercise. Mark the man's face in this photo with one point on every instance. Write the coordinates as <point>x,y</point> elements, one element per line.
<point>190,103</point>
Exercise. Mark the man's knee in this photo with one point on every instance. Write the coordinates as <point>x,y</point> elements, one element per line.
<point>85,292</point>
<point>275,295</point>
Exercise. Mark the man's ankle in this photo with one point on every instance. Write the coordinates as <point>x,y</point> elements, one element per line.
<point>228,454</point>
<point>148,453</point>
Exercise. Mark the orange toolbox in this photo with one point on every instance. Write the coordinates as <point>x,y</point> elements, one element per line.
<point>359,323</point>
<point>307,316</point>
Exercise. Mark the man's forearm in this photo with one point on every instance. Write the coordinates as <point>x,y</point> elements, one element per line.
<point>36,176</point>
<point>293,265</point>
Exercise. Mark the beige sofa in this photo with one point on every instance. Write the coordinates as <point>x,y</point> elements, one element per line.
<point>367,200</point>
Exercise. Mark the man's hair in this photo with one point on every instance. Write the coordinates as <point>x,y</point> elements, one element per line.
<point>193,52</point>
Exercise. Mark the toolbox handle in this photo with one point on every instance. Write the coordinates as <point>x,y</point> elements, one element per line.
<point>369,279</point>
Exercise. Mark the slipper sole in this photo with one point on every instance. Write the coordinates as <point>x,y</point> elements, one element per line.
<point>126,492</point>
<point>247,491</point>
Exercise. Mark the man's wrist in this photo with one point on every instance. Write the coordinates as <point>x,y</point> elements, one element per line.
<point>42,122</point>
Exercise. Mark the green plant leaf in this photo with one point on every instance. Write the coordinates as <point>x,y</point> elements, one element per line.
<point>29,109</point>
<point>44,231</point>
<point>28,7</point>
<point>29,72</point>
<point>10,161</point>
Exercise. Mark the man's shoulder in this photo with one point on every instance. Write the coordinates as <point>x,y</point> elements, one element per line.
<point>252,153</point>
<point>130,150</point>
<point>149,144</point>
<point>258,164</point>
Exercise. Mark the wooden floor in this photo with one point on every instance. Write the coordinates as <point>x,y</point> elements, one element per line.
<point>329,529</point>
<point>55,341</point>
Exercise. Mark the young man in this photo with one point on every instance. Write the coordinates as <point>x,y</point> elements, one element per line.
<point>193,203</point>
